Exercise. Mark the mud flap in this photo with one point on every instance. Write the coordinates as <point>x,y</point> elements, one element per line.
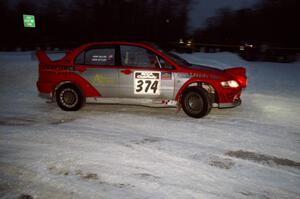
<point>179,107</point>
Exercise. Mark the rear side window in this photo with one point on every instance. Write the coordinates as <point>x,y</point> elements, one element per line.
<point>138,57</point>
<point>80,59</point>
<point>100,56</point>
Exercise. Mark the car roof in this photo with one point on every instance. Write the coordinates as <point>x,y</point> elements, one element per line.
<point>141,43</point>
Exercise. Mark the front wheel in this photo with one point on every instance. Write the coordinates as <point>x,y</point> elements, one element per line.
<point>69,97</point>
<point>195,102</point>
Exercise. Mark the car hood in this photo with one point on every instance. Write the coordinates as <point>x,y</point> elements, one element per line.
<point>203,67</point>
<point>236,73</point>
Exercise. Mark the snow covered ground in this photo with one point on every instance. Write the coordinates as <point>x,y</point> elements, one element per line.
<point>113,151</point>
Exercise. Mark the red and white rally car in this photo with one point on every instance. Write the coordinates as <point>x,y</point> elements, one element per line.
<point>137,73</point>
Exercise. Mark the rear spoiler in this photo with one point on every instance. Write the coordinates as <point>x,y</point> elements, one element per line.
<point>239,73</point>
<point>43,57</point>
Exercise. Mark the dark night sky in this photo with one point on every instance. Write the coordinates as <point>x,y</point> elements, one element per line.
<point>202,9</point>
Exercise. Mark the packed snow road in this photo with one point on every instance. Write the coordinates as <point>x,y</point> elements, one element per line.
<point>113,151</point>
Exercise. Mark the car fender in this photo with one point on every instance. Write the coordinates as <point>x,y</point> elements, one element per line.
<point>197,80</point>
<point>87,89</point>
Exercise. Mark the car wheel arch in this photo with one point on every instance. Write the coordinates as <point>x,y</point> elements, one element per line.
<point>195,102</point>
<point>85,87</point>
<point>63,83</point>
<point>211,90</point>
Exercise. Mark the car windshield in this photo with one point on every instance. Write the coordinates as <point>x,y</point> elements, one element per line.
<point>173,57</point>
<point>177,59</point>
<point>182,62</point>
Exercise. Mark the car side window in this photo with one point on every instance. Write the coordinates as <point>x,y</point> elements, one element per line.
<point>164,64</point>
<point>100,56</point>
<point>138,57</point>
<point>80,58</point>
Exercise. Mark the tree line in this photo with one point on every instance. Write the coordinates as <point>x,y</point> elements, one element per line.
<point>270,22</point>
<point>75,22</point>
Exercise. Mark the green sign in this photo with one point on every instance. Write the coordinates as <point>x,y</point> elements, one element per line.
<point>29,21</point>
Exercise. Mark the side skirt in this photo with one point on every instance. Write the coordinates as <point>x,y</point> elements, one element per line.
<point>129,101</point>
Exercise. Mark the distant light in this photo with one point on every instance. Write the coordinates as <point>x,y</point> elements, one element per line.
<point>189,43</point>
<point>167,20</point>
<point>29,21</point>
<point>181,41</point>
<point>242,47</point>
<point>249,45</point>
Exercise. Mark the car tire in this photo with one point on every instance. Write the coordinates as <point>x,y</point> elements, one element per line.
<point>195,102</point>
<point>69,97</point>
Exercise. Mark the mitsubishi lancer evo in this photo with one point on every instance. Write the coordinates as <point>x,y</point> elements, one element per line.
<point>137,73</point>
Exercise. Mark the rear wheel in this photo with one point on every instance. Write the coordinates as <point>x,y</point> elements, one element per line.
<point>195,102</point>
<point>69,97</point>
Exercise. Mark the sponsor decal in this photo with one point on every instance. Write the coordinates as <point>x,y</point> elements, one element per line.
<point>100,79</point>
<point>146,75</point>
<point>198,75</point>
<point>147,83</point>
<point>166,76</point>
<point>102,58</point>
<point>215,77</point>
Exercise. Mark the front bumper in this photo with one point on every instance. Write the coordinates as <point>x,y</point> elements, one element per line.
<point>230,105</point>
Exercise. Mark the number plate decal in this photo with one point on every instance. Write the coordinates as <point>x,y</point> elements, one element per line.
<point>147,83</point>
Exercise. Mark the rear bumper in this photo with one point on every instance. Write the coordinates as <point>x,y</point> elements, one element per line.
<point>45,90</point>
<point>230,105</point>
<point>44,87</point>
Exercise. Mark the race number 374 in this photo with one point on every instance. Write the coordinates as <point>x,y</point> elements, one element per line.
<point>146,83</point>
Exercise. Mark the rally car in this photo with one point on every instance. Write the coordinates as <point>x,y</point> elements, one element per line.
<point>138,73</point>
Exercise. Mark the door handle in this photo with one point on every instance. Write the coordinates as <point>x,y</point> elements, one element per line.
<point>126,71</point>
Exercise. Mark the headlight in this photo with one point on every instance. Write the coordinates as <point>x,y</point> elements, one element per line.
<point>230,84</point>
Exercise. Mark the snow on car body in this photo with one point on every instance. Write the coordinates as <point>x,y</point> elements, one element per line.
<point>137,72</point>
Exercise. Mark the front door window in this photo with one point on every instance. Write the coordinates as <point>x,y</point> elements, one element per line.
<point>133,56</point>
